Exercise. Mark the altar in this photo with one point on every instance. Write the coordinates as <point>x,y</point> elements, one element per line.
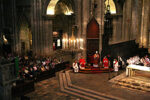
<point>130,69</point>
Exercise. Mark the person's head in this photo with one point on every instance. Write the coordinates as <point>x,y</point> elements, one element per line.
<point>96,51</point>
<point>115,59</point>
<point>146,56</point>
<point>75,61</point>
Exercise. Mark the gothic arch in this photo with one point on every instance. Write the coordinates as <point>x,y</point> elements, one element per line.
<point>46,3</point>
<point>23,19</point>
<point>119,6</point>
<point>24,33</point>
<point>45,6</point>
<point>93,29</point>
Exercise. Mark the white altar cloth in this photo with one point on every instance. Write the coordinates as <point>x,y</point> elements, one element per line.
<point>137,67</point>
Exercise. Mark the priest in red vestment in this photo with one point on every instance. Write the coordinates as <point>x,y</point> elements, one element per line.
<point>96,59</point>
<point>105,62</point>
<point>82,63</point>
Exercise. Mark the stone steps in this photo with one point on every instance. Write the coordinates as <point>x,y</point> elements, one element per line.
<point>106,96</point>
<point>63,89</point>
<point>134,83</point>
<point>82,92</point>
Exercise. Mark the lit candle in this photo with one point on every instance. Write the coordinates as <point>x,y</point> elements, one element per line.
<point>74,43</point>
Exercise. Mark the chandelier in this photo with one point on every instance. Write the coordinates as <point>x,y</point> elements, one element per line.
<point>72,42</point>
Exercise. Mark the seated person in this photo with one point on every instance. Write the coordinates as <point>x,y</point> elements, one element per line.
<point>147,61</point>
<point>43,69</point>
<point>82,63</point>
<point>96,59</point>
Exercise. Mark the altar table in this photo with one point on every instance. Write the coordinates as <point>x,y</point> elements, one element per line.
<point>130,69</point>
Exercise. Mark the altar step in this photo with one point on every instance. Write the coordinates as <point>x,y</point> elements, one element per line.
<point>138,83</point>
<point>96,70</point>
<point>84,93</point>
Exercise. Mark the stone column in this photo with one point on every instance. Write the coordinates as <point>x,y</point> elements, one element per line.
<point>139,21</point>
<point>119,24</point>
<point>41,31</point>
<point>134,24</point>
<point>78,19</point>
<point>99,14</point>
<point>15,34</point>
<point>117,29</point>
<point>34,31</point>
<point>128,16</point>
<point>149,33</point>
<point>145,23</point>
<point>85,19</point>
<point>48,37</point>
<point>123,21</point>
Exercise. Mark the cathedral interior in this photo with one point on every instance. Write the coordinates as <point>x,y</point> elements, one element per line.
<point>69,29</point>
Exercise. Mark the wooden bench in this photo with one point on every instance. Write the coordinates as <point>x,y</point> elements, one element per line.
<point>22,88</point>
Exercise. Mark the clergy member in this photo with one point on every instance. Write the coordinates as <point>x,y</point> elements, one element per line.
<point>105,62</point>
<point>75,66</point>
<point>82,63</point>
<point>96,59</point>
<point>116,66</point>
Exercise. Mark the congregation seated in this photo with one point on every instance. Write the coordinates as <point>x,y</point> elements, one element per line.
<point>145,61</point>
<point>134,60</point>
<point>31,67</point>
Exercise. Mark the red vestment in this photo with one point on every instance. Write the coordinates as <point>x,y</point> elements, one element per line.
<point>105,62</point>
<point>82,62</point>
<point>96,59</point>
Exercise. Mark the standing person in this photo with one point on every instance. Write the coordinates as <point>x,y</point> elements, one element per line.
<point>75,66</point>
<point>116,66</point>
<point>120,62</point>
<point>96,59</point>
<point>110,61</point>
<point>105,62</point>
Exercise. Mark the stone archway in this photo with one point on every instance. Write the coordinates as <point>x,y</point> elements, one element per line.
<point>25,35</point>
<point>63,18</point>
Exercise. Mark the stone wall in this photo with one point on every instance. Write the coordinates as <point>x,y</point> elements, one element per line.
<point>135,23</point>
<point>7,77</point>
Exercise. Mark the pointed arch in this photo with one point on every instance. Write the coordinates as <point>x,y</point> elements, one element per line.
<point>51,7</point>
<point>65,6</point>
<point>93,29</point>
<point>112,6</point>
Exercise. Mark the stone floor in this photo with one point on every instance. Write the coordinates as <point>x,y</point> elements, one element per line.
<point>99,82</point>
<point>49,89</point>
